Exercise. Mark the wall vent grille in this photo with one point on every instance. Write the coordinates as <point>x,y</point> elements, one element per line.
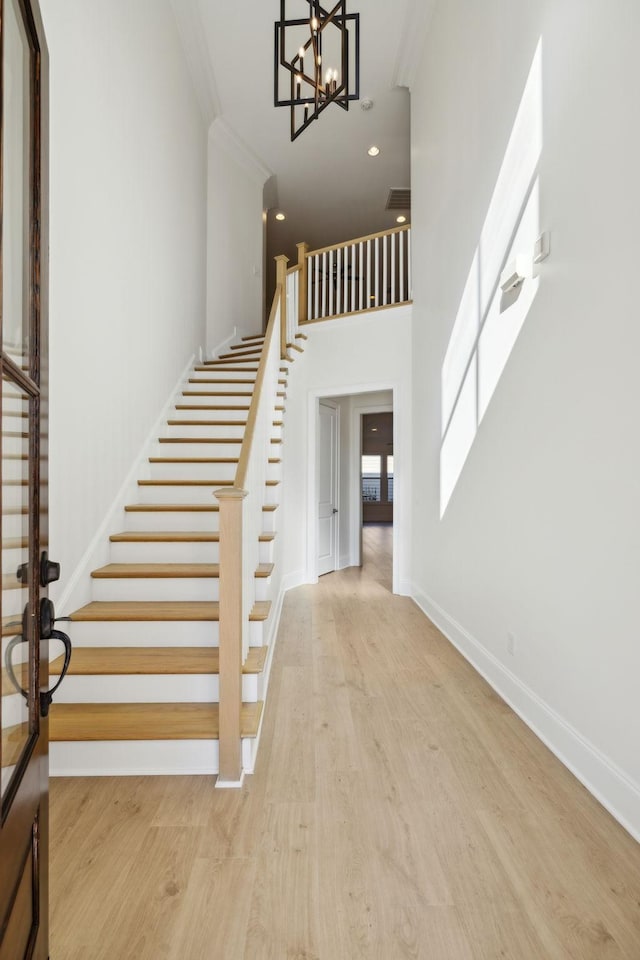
<point>399,199</point>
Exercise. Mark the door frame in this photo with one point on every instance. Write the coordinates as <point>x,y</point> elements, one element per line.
<point>327,402</point>
<point>356,513</point>
<point>35,770</point>
<point>402,486</point>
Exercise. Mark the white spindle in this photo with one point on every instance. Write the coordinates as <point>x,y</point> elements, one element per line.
<point>361,276</point>
<point>316,284</point>
<point>345,280</point>
<point>385,244</point>
<point>401,253</point>
<point>325,285</point>
<point>354,267</point>
<point>377,266</point>
<point>307,267</point>
<point>330,282</point>
<point>368,301</point>
<point>393,267</point>
<point>409,278</point>
<point>339,269</point>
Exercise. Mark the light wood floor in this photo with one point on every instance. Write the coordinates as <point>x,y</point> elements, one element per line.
<point>399,810</point>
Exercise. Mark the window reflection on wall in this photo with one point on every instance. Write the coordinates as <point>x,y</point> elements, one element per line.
<point>486,327</point>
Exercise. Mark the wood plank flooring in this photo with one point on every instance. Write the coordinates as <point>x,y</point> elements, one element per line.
<point>399,810</point>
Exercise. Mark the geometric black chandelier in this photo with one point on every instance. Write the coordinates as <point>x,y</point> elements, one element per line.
<point>316,60</point>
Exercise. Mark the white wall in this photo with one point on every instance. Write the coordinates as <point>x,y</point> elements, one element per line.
<point>128,238</point>
<point>541,537</point>
<point>355,355</point>
<point>235,238</point>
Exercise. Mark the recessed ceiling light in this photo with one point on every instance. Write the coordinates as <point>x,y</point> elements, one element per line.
<point>373,151</point>
<point>374,429</point>
<point>280,216</point>
<point>401,219</point>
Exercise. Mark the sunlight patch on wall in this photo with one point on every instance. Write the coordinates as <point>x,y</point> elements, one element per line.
<point>488,322</point>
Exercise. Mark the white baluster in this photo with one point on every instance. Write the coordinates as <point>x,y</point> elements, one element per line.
<point>393,238</point>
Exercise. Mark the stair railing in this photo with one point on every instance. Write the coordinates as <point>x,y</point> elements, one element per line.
<point>369,273</point>
<point>241,523</point>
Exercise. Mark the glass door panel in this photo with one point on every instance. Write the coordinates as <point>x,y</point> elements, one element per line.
<point>17,648</point>
<point>17,179</point>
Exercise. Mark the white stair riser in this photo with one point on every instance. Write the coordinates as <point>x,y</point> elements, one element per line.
<point>266,551</point>
<point>13,602</point>
<point>171,520</point>
<point>14,469</point>
<point>209,396</point>
<point>205,432</point>
<point>273,493</point>
<point>198,633</point>
<point>156,688</point>
<point>14,710</point>
<point>207,376</point>
<point>133,757</point>
<point>269,521</point>
<point>102,633</point>
<point>12,558</point>
<point>263,588</point>
<point>220,404</point>
<point>14,525</point>
<point>192,471</point>
<point>178,494</point>
<point>180,589</point>
<point>225,450</point>
<point>226,413</point>
<point>152,552</point>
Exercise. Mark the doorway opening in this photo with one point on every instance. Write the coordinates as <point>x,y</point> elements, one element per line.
<point>353,497</point>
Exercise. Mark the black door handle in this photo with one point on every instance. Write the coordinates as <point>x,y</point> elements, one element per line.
<point>49,571</point>
<point>47,620</point>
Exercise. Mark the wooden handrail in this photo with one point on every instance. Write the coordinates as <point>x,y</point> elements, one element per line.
<point>351,243</point>
<point>247,441</point>
<point>294,269</point>
<point>281,281</point>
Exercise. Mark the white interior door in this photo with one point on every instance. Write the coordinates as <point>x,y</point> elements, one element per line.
<point>327,488</point>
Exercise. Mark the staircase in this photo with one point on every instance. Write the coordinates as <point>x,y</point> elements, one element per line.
<point>141,694</point>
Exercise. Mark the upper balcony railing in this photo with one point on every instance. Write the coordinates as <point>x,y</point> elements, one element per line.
<point>369,273</point>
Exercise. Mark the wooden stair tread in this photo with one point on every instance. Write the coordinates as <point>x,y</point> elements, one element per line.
<point>172,508</point>
<point>208,406</point>
<point>207,423</point>
<point>165,536</point>
<point>144,721</point>
<point>177,508</point>
<point>159,610</point>
<point>216,393</point>
<point>193,459</point>
<point>227,369</point>
<point>185,483</point>
<point>154,571</point>
<point>200,440</point>
<point>152,661</point>
<point>219,380</point>
<point>254,336</point>
<point>246,352</point>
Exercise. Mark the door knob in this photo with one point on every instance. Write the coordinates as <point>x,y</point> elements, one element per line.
<point>49,571</point>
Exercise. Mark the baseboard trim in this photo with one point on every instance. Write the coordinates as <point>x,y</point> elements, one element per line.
<point>230,784</point>
<point>617,792</point>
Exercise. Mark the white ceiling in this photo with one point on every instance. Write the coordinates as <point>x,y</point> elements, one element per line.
<point>325,182</point>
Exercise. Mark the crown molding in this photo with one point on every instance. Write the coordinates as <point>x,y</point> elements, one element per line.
<point>225,137</point>
<point>192,36</point>
<point>417,21</point>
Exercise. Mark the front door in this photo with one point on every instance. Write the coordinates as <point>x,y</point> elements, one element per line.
<point>23,485</point>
